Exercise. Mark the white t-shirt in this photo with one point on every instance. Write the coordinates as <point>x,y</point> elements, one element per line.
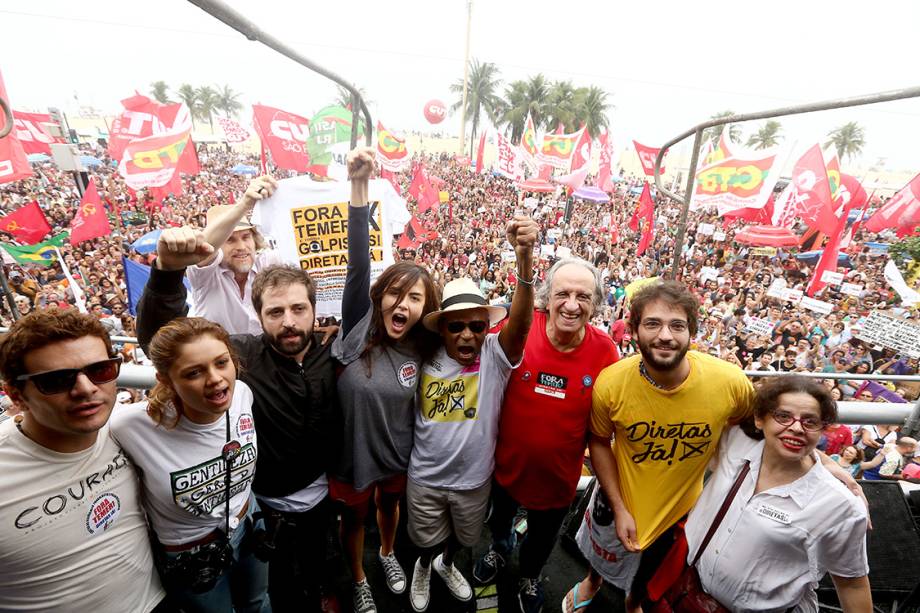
<point>771,549</point>
<point>216,294</point>
<point>182,471</point>
<point>72,530</point>
<point>457,423</point>
<point>309,222</point>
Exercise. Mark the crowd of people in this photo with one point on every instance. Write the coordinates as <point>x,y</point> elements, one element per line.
<point>462,380</point>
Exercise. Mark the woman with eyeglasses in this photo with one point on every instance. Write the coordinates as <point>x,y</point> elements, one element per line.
<point>790,521</point>
<point>194,444</point>
<point>381,345</point>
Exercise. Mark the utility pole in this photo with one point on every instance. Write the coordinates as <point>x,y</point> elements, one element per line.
<point>466,76</point>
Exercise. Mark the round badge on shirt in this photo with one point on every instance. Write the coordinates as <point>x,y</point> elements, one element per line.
<point>407,374</point>
<point>102,513</point>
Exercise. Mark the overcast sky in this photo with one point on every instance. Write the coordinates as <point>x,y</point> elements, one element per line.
<point>667,64</point>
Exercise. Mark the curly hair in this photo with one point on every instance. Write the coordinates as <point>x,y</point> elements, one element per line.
<point>43,327</point>
<point>163,404</point>
<point>769,393</point>
<point>672,293</point>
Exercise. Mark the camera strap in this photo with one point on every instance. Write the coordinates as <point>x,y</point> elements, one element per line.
<point>230,451</point>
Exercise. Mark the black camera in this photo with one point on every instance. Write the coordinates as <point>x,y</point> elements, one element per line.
<point>198,570</point>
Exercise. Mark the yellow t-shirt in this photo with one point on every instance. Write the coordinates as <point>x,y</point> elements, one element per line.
<point>663,439</point>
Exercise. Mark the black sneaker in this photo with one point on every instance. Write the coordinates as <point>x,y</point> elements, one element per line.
<point>487,567</point>
<point>531,596</point>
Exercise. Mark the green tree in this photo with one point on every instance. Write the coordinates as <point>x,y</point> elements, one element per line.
<point>343,98</point>
<point>766,136</point>
<point>482,96</point>
<point>848,139</point>
<point>189,95</point>
<point>715,133</point>
<point>522,97</point>
<point>562,106</point>
<point>208,101</point>
<point>591,109</point>
<point>160,92</point>
<point>227,101</point>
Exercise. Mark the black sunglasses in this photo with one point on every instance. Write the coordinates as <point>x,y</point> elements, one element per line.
<point>59,381</point>
<point>476,327</point>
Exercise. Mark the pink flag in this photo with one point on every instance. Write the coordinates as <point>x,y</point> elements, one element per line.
<point>902,211</point>
<point>234,132</point>
<point>605,170</point>
<point>647,157</point>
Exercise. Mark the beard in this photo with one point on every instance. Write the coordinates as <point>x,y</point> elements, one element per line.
<point>290,346</point>
<point>646,348</point>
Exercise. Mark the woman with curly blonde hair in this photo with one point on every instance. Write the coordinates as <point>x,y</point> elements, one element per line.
<point>194,444</point>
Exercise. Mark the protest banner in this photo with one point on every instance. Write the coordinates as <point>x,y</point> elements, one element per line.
<point>731,183</point>
<point>791,295</point>
<point>761,326</point>
<point>563,252</point>
<point>718,235</point>
<point>819,306</point>
<point>706,229</point>
<point>767,251</point>
<point>891,332</point>
<point>832,278</point>
<point>547,251</point>
<point>508,256</point>
<point>851,289</point>
<point>777,288</point>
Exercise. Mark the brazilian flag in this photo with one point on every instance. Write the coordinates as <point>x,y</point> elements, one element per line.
<point>40,253</point>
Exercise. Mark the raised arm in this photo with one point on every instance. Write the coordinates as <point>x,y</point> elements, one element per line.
<point>522,234</point>
<point>217,233</point>
<point>356,296</point>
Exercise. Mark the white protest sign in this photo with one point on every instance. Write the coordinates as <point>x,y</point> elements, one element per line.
<point>718,235</point>
<point>761,326</point>
<point>832,278</point>
<point>791,295</point>
<point>508,256</point>
<point>706,229</point>
<point>768,251</point>
<point>898,334</point>
<point>818,306</point>
<point>851,289</point>
<point>530,202</point>
<point>777,288</point>
<point>563,252</point>
<point>547,251</point>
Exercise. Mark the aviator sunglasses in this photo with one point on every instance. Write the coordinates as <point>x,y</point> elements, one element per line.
<point>60,381</point>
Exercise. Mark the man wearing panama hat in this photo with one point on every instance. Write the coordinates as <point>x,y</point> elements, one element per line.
<point>456,426</point>
<point>222,283</point>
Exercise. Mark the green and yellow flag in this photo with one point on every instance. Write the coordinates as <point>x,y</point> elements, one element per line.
<point>40,253</point>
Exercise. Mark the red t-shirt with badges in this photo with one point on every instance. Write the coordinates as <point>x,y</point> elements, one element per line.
<point>544,422</point>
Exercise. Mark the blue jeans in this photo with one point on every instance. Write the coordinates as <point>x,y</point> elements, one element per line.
<point>241,588</point>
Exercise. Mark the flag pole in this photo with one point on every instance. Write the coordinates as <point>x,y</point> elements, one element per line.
<point>8,292</point>
<point>466,76</point>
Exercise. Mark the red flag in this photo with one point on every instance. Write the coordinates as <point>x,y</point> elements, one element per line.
<point>902,211</point>
<point>153,161</point>
<point>285,134</point>
<point>412,236</point>
<point>28,224</point>
<point>557,149</point>
<point>90,220</point>
<point>30,128</point>
<point>808,195</point>
<point>13,162</point>
<point>647,157</point>
<point>390,176</point>
<point>605,170</point>
<point>645,208</point>
<point>582,154</point>
<point>421,189</point>
<point>480,151</point>
<point>648,231</point>
<point>828,259</point>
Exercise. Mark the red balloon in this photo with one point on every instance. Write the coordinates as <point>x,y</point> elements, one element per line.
<point>435,111</point>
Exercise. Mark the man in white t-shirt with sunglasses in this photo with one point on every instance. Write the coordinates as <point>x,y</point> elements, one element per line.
<point>72,531</point>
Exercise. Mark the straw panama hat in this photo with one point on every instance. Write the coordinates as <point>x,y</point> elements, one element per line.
<point>460,295</point>
<point>220,210</point>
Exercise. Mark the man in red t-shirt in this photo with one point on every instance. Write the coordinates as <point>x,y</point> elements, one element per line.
<point>838,437</point>
<point>544,423</point>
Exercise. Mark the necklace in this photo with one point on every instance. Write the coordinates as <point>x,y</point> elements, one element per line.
<point>647,377</point>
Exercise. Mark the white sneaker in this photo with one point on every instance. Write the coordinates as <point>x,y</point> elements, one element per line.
<point>455,581</point>
<point>363,598</point>
<point>396,578</point>
<point>419,592</point>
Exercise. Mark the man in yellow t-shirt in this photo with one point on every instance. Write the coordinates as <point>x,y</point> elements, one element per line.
<point>665,410</point>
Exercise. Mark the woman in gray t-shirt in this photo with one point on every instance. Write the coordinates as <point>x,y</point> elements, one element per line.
<point>381,345</point>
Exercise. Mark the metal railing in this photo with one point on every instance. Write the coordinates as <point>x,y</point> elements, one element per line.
<point>697,131</point>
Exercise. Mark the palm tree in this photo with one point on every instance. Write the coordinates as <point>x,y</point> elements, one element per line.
<point>521,98</point>
<point>848,139</point>
<point>159,89</point>
<point>767,136</point>
<point>481,95</point>
<point>344,97</point>
<point>562,107</point>
<point>591,109</point>
<point>715,133</point>
<point>207,100</point>
<point>189,96</point>
<point>227,101</point>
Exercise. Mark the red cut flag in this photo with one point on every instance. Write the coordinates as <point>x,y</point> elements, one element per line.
<point>808,195</point>
<point>153,161</point>
<point>480,151</point>
<point>27,224</point>
<point>902,211</point>
<point>605,169</point>
<point>421,189</point>
<point>647,157</point>
<point>285,134</point>
<point>90,221</point>
<point>30,128</point>
<point>13,162</point>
